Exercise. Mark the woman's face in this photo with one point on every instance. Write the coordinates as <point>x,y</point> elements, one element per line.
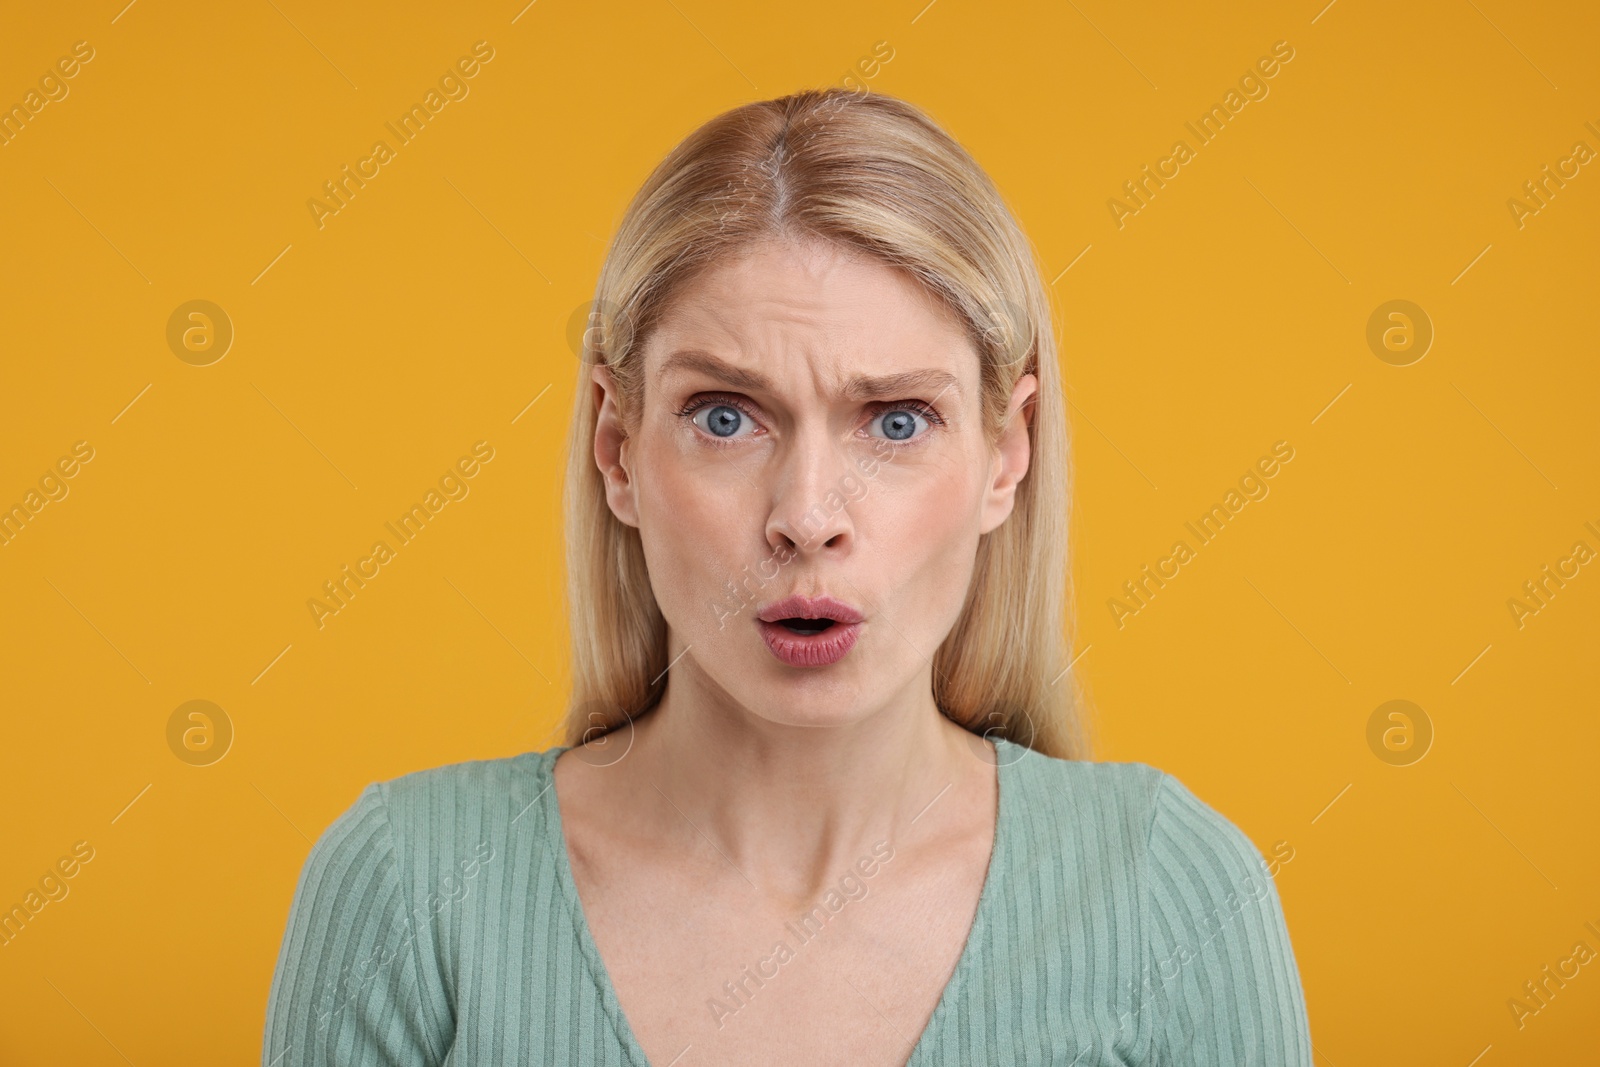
<point>810,426</point>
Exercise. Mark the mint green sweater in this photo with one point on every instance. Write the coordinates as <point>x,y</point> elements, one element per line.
<point>1122,921</point>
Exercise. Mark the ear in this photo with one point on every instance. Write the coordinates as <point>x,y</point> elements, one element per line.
<point>611,448</point>
<point>1012,454</point>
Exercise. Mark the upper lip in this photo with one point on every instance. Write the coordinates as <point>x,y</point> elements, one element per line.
<point>808,607</point>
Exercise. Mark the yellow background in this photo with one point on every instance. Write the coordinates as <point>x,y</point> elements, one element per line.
<point>1228,314</point>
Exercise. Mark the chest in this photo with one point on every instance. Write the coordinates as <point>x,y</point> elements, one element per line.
<point>703,964</point>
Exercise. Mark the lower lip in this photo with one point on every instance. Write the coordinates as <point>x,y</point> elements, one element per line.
<point>810,650</point>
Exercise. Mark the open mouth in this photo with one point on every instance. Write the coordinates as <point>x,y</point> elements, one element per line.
<point>805,627</point>
<point>810,642</point>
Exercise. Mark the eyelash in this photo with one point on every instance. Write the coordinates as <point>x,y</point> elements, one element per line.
<point>708,399</point>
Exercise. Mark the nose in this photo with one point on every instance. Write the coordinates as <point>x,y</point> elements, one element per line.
<point>809,500</point>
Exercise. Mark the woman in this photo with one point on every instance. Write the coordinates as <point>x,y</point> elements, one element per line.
<point>825,797</point>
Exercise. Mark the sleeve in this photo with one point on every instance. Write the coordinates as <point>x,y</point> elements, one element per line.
<point>346,989</point>
<point>1228,987</point>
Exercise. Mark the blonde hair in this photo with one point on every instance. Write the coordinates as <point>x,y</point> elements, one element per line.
<point>874,174</point>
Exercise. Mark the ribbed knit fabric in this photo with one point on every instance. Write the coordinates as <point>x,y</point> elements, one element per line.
<point>1123,921</point>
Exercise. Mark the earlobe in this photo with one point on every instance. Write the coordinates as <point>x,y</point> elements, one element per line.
<point>611,448</point>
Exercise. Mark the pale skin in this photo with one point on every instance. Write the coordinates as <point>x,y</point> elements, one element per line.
<point>754,787</point>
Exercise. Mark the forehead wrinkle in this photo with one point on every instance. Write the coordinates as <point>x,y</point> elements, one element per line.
<point>856,387</point>
<point>812,337</point>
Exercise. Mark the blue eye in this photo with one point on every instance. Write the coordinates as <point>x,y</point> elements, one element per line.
<point>722,420</point>
<point>900,424</point>
<point>725,416</point>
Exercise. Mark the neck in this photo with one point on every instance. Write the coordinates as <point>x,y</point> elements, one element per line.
<point>792,807</point>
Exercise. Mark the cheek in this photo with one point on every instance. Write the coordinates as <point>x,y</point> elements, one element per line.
<point>918,527</point>
<point>697,525</point>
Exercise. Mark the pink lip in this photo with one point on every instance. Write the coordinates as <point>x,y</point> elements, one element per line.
<point>806,607</point>
<point>810,650</point>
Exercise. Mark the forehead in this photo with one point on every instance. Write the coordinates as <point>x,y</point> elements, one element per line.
<point>785,308</point>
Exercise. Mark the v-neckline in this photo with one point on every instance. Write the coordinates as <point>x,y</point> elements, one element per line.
<point>987,897</point>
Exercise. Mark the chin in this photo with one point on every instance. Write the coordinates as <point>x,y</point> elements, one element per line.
<point>805,711</point>
<point>804,697</point>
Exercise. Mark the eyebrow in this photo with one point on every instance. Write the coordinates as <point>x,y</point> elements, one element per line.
<point>856,387</point>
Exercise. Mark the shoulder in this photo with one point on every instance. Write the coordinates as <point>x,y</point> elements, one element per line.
<point>1051,796</point>
<point>369,958</point>
<point>426,802</point>
<point>436,828</point>
<point>1131,848</point>
<point>1128,816</point>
